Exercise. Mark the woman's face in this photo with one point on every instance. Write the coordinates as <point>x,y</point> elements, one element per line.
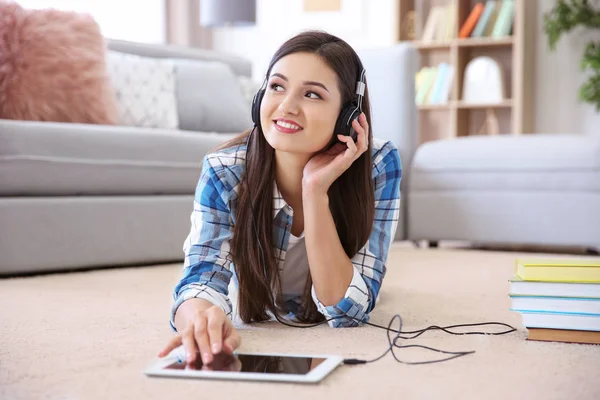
<point>301,104</point>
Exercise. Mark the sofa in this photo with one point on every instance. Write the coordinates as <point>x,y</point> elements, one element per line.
<point>80,196</point>
<point>528,191</point>
<point>76,196</point>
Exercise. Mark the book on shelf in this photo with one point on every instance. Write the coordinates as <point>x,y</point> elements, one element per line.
<point>504,21</point>
<point>557,270</point>
<point>471,21</point>
<point>433,84</point>
<point>485,19</point>
<point>563,335</point>
<point>492,18</point>
<point>440,24</point>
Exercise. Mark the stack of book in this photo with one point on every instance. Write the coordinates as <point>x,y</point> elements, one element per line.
<point>559,300</point>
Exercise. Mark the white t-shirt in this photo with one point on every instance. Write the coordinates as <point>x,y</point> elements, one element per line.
<point>293,273</point>
<point>295,268</point>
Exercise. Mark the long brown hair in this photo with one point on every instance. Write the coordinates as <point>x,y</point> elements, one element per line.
<point>351,196</point>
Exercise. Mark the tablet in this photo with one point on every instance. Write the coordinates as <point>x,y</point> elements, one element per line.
<point>277,367</point>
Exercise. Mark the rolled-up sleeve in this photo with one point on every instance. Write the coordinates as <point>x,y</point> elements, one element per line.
<point>370,261</point>
<point>207,263</point>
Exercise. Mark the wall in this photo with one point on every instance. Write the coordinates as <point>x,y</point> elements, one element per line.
<point>361,23</point>
<point>557,107</point>
<point>135,20</point>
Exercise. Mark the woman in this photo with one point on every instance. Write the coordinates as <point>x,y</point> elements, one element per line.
<point>299,215</point>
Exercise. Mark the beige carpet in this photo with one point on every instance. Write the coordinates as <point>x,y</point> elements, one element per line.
<point>89,335</point>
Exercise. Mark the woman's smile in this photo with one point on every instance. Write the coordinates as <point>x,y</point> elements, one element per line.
<point>286,125</point>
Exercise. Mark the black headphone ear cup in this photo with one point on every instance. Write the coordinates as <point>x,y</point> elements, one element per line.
<point>256,106</point>
<point>343,125</point>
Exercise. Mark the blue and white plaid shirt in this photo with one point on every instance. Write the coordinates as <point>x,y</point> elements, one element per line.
<point>208,266</point>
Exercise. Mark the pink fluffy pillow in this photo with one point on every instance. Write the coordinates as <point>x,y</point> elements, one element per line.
<point>52,67</point>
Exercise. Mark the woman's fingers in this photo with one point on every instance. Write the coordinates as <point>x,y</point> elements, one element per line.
<point>174,342</point>
<point>189,345</point>
<point>201,335</point>
<point>232,342</point>
<point>208,334</point>
<point>215,332</point>
<point>363,136</point>
<point>351,152</point>
<point>349,142</point>
<point>363,121</point>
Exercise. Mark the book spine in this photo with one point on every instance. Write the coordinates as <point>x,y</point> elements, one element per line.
<point>430,25</point>
<point>472,19</point>
<point>504,21</point>
<point>427,79</point>
<point>447,86</point>
<point>435,91</point>
<point>479,30</point>
<point>560,274</point>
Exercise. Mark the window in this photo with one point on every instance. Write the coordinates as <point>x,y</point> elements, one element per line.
<point>133,20</point>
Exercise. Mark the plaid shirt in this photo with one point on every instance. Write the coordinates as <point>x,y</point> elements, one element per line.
<point>208,266</point>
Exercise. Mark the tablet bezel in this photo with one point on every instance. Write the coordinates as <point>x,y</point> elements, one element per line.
<point>157,369</point>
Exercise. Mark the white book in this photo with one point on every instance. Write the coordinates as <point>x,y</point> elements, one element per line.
<point>555,304</point>
<point>578,322</point>
<point>555,289</point>
<point>434,18</point>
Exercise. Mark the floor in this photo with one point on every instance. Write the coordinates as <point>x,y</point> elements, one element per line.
<point>91,334</point>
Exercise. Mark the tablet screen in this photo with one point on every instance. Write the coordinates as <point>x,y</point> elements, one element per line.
<point>253,363</point>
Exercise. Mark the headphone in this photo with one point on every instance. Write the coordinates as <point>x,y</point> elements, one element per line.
<point>349,113</point>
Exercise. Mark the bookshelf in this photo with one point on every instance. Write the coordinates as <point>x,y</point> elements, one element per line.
<point>450,116</point>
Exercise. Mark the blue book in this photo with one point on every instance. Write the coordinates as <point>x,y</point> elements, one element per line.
<point>486,15</point>
<point>438,84</point>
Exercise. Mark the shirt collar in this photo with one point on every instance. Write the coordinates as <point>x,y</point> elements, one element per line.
<point>278,201</point>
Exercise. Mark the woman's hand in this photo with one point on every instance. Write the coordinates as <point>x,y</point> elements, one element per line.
<point>324,168</point>
<point>208,332</point>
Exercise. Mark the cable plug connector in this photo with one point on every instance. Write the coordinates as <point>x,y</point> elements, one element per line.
<point>354,361</point>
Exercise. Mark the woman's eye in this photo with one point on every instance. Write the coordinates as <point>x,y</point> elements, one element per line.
<point>316,96</point>
<point>275,87</point>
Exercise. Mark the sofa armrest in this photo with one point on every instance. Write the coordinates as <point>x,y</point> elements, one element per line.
<point>27,139</point>
<point>68,159</point>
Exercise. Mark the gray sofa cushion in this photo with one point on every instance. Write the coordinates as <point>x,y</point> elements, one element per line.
<point>210,98</point>
<point>42,158</point>
<point>508,163</point>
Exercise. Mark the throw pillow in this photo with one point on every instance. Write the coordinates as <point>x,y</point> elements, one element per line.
<point>52,67</point>
<point>145,90</point>
<point>210,98</point>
